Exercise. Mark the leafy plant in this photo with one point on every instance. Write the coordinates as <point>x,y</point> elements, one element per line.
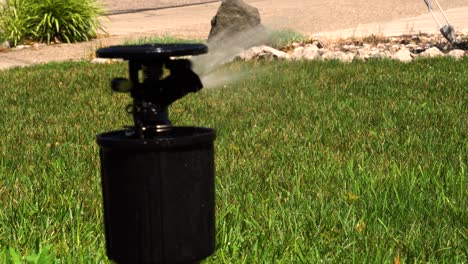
<point>48,20</point>
<point>65,20</point>
<point>284,37</point>
<point>10,256</point>
<point>15,21</point>
<point>2,37</point>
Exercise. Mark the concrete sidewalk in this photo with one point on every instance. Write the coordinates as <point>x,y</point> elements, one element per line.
<point>458,17</point>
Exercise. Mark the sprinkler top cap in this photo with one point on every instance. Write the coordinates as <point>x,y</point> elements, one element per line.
<point>151,51</point>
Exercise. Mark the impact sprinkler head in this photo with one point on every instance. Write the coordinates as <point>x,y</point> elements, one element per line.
<point>158,181</point>
<point>156,79</point>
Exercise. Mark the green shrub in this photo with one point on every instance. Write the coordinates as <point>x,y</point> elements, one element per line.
<point>48,20</point>
<point>2,37</point>
<point>65,20</point>
<point>44,256</point>
<point>15,21</point>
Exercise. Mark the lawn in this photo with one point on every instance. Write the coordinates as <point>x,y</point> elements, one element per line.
<point>316,161</point>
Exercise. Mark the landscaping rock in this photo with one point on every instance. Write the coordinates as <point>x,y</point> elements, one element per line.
<point>234,19</point>
<point>324,51</point>
<point>337,55</point>
<point>312,55</point>
<point>376,53</point>
<point>431,53</point>
<point>318,44</point>
<point>263,52</point>
<point>311,52</point>
<point>395,48</point>
<point>403,55</point>
<point>6,45</point>
<point>457,53</point>
<point>419,50</point>
<point>349,57</point>
<point>271,53</point>
<point>298,53</point>
<point>349,50</point>
<point>312,47</point>
<point>381,46</point>
<point>105,61</point>
<point>20,47</point>
<point>362,54</point>
<point>384,54</point>
<point>296,44</point>
<point>250,54</point>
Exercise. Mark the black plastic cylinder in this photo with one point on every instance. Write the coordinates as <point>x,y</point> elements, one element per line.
<point>159,196</point>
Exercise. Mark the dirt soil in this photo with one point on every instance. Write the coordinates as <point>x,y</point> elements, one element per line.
<point>194,22</point>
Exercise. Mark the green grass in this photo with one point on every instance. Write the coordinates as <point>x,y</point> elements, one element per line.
<point>316,161</point>
<point>281,38</point>
<point>166,39</point>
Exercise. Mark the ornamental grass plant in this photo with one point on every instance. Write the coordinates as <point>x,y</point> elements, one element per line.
<point>15,21</point>
<point>50,20</point>
<point>2,37</point>
<point>66,20</point>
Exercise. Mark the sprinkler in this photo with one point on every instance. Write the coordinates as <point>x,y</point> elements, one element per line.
<point>157,179</point>
<point>156,81</point>
<point>447,30</point>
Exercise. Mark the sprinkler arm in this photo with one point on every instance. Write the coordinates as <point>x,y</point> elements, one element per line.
<point>180,81</point>
<point>156,80</point>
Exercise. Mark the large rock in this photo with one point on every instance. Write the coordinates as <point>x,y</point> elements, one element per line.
<point>403,55</point>
<point>432,53</point>
<point>271,53</point>
<point>311,52</point>
<point>235,28</point>
<point>338,55</point>
<point>105,61</point>
<point>263,52</point>
<point>457,53</point>
<point>6,45</point>
<point>298,53</point>
<point>250,54</point>
<point>362,54</point>
<point>236,20</point>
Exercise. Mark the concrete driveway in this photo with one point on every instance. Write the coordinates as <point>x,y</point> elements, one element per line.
<point>308,16</point>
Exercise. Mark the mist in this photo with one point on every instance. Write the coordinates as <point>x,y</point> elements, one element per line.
<point>223,49</point>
